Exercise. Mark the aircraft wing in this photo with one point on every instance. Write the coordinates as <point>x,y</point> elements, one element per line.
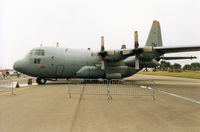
<point>177,58</point>
<point>164,50</point>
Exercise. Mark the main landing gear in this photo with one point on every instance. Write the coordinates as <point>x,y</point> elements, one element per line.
<point>41,81</point>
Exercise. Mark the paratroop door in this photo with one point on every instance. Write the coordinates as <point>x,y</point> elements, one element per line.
<point>59,70</point>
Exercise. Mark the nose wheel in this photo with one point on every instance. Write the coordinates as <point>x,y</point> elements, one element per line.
<point>41,81</point>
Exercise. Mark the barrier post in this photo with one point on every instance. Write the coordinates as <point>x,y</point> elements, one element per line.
<point>108,89</point>
<point>153,87</point>
<point>12,88</point>
<point>69,89</point>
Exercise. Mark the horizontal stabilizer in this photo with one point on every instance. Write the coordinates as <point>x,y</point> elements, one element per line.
<point>177,58</point>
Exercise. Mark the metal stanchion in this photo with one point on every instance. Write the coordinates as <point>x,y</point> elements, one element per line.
<point>12,88</point>
<point>108,89</point>
<point>69,88</point>
<point>153,87</point>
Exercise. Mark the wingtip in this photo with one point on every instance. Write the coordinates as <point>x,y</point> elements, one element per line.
<point>155,21</point>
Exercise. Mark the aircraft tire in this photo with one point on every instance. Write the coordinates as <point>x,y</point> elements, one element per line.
<point>41,81</point>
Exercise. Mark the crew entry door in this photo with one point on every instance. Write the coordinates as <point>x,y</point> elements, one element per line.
<point>59,70</point>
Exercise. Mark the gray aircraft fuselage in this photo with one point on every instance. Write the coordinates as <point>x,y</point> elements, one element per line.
<point>65,63</point>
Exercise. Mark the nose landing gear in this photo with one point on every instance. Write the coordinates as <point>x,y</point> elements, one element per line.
<point>41,81</point>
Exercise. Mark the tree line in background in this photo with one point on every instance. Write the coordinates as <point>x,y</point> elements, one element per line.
<point>165,66</point>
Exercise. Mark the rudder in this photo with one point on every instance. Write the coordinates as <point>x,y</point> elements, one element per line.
<point>155,37</point>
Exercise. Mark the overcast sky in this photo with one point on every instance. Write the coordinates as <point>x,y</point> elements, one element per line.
<point>24,24</point>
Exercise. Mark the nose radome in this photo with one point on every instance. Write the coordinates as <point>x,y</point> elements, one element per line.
<point>17,65</point>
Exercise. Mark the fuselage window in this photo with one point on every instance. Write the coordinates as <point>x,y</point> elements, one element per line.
<point>36,61</point>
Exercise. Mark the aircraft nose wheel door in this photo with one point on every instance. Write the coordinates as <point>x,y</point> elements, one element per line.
<point>59,70</point>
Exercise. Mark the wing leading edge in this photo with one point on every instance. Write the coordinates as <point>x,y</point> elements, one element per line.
<point>177,58</point>
<point>164,50</point>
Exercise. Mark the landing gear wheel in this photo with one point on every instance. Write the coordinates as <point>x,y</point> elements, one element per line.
<point>41,81</point>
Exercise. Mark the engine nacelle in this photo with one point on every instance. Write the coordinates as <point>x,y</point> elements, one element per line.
<point>113,76</point>
<point>148,49</point>
<point>148,63</point>
<point>115,57</point>
<point>90,72</point>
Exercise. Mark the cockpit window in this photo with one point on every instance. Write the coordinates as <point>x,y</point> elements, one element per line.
<point>39,52</point>
<point>31,52</point>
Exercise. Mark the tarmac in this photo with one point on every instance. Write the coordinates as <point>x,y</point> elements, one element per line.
<point>47,108</point>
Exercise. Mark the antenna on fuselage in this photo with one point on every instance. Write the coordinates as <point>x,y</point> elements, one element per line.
<point>57,44</point>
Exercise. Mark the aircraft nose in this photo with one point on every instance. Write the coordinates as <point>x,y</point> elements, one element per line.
<point>18,65</point>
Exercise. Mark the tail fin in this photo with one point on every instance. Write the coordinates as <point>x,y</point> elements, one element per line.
<point>155,38</point>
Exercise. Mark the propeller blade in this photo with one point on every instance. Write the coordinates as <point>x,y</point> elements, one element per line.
<point>102,65</point>
<point>137,65</point>
<point>136,40</point>
<point>102,44</point>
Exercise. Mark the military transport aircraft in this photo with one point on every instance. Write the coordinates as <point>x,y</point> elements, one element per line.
<point>48,63</point>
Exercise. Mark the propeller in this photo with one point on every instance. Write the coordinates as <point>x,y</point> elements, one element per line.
<point>103,53</point>
<point>102,63</point>
<point>136,44</point>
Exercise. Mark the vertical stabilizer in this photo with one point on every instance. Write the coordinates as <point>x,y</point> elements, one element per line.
<point>155,38</point>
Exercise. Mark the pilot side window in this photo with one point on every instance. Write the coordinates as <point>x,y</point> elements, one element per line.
<point>36,61</point>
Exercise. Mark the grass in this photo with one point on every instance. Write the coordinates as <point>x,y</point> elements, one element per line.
<point>194,75</point>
